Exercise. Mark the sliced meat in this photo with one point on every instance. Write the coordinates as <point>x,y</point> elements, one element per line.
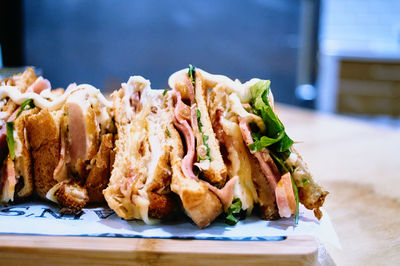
<point>60,172</point>
<point>78,146</point>
<point>190,88</point>
<point>285,196</point>
<point>39,85</point>
<point>9,181</point>
<point>266,197</point>
<point>225,194</point>
<point>263,159</point>
<point>186,130</point>
<point>135,100</point>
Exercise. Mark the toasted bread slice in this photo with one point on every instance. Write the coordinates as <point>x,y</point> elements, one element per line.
<point>311,195</point>
<point>216,172</point>
<point>44,138</point>
<point>23,160</point>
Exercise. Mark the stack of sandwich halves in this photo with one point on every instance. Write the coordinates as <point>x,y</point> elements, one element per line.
<point>207,147</point>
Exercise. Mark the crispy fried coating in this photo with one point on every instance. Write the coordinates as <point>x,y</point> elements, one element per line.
<point>99,175</point>
<point>162,205</point>
<point>71,197</point>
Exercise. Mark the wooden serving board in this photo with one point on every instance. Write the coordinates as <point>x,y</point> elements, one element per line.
<point>57,250</point>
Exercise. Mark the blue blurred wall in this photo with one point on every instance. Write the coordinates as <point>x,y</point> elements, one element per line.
<point>104,42</point>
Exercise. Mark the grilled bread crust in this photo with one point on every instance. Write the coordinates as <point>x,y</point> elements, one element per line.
<point>23,163</point>
<point>44,138</point>
<point>216,173</point>
<point>99,175</point>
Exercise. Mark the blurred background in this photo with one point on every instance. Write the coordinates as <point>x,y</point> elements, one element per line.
<point>338,56</point>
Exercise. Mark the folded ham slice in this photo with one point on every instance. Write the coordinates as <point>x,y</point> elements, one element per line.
<point>261,157</point>
<point>9,181</point>
<point>285,196</point>
<point>39,85</point>
<point>186,130</point>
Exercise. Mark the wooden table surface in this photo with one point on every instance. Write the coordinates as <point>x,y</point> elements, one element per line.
<point>359,164</point>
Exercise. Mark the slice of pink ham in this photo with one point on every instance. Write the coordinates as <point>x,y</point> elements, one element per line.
<point>189,86</point>
<point>225,194</point>
<point>262,158</point>
<point>135,100</point>
<point>182,111</point>
<point>60,172</point>
<point>8,181</point>
<point>39,85</point>
<point>77,148</point>
<point>186,130</point>
<point>285,196</point>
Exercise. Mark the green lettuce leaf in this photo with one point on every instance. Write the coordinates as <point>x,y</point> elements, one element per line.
<point>263,142</point>
<point>167,131</point>
<point>275,135</point>
<point>26,105</point>
<point>191,74</point>
<point>296,196</point>
<point>10,139</point>
<point>233,212</point>
<point>205,137</point>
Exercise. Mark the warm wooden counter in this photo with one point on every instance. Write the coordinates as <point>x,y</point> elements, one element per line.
<point>359,163</point>
<point>356,161</point>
